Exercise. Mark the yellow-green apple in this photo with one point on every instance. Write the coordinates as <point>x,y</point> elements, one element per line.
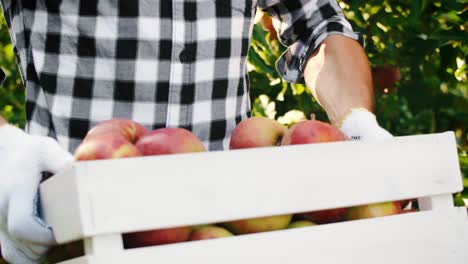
<point>325,216</point>
<point>302,223</point>
<point>106,146</point>
<point>312,131</point>
<point>169,141</point>
<point>209,232</point>
<point>129,129</point>
<point>373,210</point>
<point>256,225</point>
<point>257,132</point>
<point>157,237</point>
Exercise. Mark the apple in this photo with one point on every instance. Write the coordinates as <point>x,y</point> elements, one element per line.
<point>169,141</point>
<point>409,203</point>
<point>257,132</point>
<point>373,210</point>
<point>256,225</point>
<point>198,227</point>
<point>302,223</point>
<point>408,211</point>
<point>157,237</point>
<point>209,232</point>
<point>325,216</point>
<point>106,146</point>
<point>129,129</point>
<point>385,76</point>
<point>267,24</point>
<point>312,131</point>
<point>404,203</point>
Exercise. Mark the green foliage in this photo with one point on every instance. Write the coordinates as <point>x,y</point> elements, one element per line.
<point>425,39</point>
<point>12,94</point>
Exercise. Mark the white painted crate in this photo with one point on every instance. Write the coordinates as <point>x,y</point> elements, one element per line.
<point>100,200</point>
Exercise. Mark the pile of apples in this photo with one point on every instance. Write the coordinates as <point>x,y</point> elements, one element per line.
<point>121,138</point>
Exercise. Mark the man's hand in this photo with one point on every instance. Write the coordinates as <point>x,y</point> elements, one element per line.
<point>24,237</point>
<point>360,124</point>
<point>339,77</point>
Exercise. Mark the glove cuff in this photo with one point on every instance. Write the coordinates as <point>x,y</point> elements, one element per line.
<point>9,134</point>
<point>357,122</point>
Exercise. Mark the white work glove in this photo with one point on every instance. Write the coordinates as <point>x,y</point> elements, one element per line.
<point>24,237</point>
<point>360,124</point>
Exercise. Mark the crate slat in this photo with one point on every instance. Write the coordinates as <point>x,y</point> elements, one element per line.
<point>80,260</point>
<point>438,236</point>
<point>166,191</point>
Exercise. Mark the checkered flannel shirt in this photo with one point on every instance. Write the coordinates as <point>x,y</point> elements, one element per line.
<point>162,63</point>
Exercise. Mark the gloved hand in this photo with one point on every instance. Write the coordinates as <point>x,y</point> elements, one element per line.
<point>24,237</point>
<point>360,124</point>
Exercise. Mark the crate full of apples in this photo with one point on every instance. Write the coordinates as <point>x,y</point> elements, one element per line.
<point>278,195</point>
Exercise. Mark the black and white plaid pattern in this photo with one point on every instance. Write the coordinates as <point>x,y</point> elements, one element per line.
<point>179,63</point>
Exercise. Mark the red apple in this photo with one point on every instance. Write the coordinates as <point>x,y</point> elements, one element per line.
<point>157,237</point>
<point>169,141</point>
<point>312,131</point>
<point>326,216</point>
<point>129,129</point>
<point>257,132</point>
<point>299,224</point>
<point>267,24</point>
<point>405,203</point>
<point>385,76</point>
<point>106,146</point>
<point>257,225</point>
<point>209,232</point>
<point>408,211</point>
<point>373,210</point>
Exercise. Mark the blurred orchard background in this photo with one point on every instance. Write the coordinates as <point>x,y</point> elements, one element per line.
<point>418,51</point>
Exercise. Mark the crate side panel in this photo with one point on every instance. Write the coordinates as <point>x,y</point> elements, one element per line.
<point>60,201</point>
<point>419,238</point>
<point>167,191</point>
<point>80,260</point>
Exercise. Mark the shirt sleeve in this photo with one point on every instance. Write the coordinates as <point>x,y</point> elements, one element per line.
<point>5,4</point>
<point>302,25</point>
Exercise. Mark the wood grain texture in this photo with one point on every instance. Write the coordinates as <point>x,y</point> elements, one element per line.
<point>111,197</point>
<point>438,236</point>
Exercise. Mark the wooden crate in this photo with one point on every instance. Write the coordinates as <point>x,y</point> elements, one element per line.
<point>99,200</point>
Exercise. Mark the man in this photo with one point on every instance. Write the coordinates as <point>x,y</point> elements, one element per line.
<point>160,63</point>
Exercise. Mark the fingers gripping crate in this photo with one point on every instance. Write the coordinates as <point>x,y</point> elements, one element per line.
<point>100,200</point>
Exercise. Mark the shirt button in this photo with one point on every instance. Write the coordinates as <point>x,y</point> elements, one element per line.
<point>187,56</point>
